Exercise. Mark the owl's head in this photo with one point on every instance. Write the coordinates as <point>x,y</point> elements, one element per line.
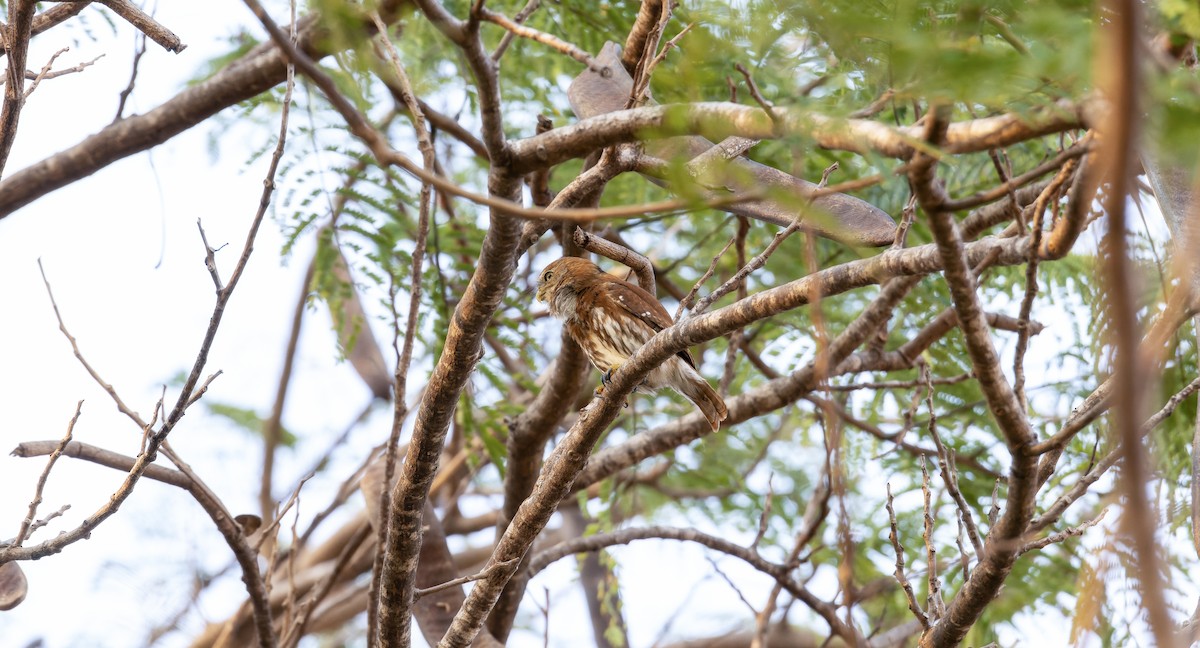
<point>562,280</point>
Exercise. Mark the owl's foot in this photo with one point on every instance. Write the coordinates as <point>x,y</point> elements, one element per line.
<point>605,379</point>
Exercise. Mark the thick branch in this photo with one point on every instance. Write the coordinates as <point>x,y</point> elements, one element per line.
<point>97,455</point>
<point>20,22</point>
<point>146,24</point>
<point>986,579</point>
<point>497,262</point>
<point>718,120</point>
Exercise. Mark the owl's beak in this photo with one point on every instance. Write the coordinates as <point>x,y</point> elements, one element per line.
<point>541,294</point>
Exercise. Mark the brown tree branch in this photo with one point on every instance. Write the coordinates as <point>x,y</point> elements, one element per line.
<point>542,37</point>
<point>519,18</point>
<point>100,456</point>
<point>1005,188</point>
<point>51,17</point>
<point>1070,532</point>
<point>404,353</point>
<point>144,23</point>
<point>718,120</point>
<point>1000,551</point>
<point>639,264</point>
<point>1085,482</point>
<point>16,37</point>
<point>894,537</point>
<point>649,15</point>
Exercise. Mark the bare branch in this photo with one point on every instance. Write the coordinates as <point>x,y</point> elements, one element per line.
<point>718,120</point>
<point>261,69</point>
<point>949,471</point>
<point>144,23</point>
<point>520,17</point>
<point>1085,482</point>
<point>640,264</point>
<point>994,566</point>
<point>16,37</point>
<point>549,40</point>
<point>1070,532</point>
<point>100,456</point>
<point>27,524</point>
<point>457,582</point>
<point>894,537</point>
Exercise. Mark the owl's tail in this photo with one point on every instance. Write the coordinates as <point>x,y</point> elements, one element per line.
<point>697,390</point>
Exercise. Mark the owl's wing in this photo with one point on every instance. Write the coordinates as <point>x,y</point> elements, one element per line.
<point>643,306</point>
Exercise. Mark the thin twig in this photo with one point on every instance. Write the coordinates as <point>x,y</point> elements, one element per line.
<point>1051,192</point>
<point>1070,532</point>
<point>549,40</point>
<point>27,525</point>
<point>906,220</point>
<point>45,70</point>
<point>894,537</point>
<point>17,34</point>
<point>759,260</point>
<point>736,338</point>
<point>418,593</point>
<point>754,92</point>
<point>687,300</point>
<point>294,499</point>
<point>780,572</point>
<point>62,327</point>
<point>519,18</point>
<point>139,50</point>
<point>935,604</point>
<point>902,384</point>
<point>949,471</point>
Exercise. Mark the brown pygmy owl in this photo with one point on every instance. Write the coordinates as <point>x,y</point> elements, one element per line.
<point>610,319</point>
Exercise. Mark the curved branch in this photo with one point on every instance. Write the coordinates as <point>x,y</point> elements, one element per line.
<point>779,572</point>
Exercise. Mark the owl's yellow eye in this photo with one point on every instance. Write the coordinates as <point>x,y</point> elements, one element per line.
<point>546,277</point>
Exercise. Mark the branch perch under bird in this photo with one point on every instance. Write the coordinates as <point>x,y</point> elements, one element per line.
<point>611,319</point>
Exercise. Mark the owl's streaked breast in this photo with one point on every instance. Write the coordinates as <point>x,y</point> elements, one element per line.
<point>606,333</point>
